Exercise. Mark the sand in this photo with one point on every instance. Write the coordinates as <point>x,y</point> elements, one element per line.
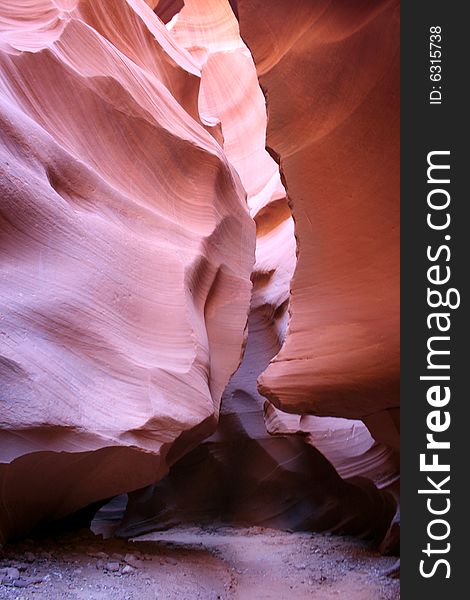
<point>192,563</point>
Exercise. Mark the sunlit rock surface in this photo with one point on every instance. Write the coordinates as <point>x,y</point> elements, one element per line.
<point>135,154</point>
<point>331,75</point>
<point>127,249</point>
<point>262,466</point>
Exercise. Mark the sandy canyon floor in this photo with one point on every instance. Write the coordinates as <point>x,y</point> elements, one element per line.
<point>193,563</point>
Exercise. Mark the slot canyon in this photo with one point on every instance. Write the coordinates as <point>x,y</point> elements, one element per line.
<point>199,319</point>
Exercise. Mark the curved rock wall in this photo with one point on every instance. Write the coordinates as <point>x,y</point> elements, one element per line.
<point>244,475</point>
<point>127,249</point>
<point>335,127</point>
<point>262,465</point>
<point>136,177</point>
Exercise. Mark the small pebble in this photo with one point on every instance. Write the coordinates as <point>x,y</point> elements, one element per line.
<point>127,570</point>
<point>112,566</point>
<point>10,573</point>
<point>133,561</point>
<point>25,582</point>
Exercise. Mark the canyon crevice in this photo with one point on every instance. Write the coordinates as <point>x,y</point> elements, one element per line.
<point>199,235</point>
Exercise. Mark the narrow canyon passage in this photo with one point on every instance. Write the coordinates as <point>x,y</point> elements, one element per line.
<point>199,339</point>
<point>244,473</point>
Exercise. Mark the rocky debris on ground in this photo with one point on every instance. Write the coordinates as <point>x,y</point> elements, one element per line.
<point>193,563</point>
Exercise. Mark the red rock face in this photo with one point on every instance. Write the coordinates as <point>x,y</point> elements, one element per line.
<point>144,217</point>
<point>264,470</point>
<point>330,73</point>
<point>262,465</point>
<point>128,249</point>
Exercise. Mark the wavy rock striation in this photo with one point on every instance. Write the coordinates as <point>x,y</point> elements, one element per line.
<point>243,474</point>
<point>335,128</point>
<point>262,466</point>
<point>127,249</point>
<point>136,183</point>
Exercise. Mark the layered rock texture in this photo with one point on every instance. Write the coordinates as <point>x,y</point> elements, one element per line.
<point>148,194</point>
<point>262,466</point>
<point>278,478</point>
<point>335,128</point>
<point>127,249</point>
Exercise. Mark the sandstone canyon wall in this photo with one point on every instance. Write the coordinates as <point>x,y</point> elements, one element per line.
<point>243,474</point>
<point>143,218</point>
<point>127,250</point>
<point>335,127</point>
